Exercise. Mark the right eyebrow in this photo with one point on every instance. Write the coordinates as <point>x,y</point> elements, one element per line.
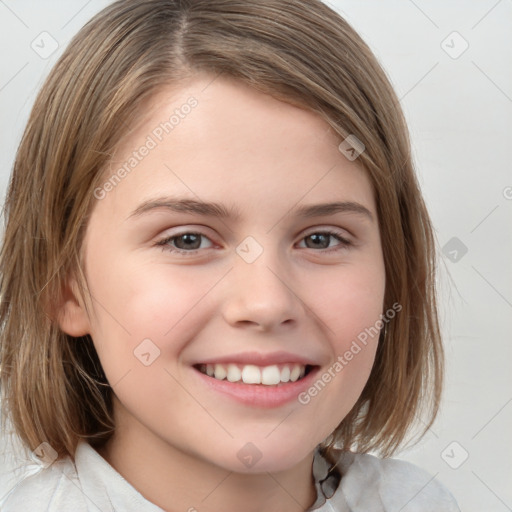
<point>186,206</point>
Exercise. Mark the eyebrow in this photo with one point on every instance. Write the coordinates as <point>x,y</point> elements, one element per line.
<point>212,209</point>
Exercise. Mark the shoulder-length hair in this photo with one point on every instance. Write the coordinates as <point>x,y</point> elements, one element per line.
<point>298,51</point>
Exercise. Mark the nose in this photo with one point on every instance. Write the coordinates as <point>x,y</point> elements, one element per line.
<point>260,295</point>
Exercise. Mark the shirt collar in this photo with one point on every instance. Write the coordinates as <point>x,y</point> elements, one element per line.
<point>105,489</point>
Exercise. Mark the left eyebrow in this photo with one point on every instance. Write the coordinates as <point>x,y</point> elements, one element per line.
<point>218,210</point>
<point>318,210</point>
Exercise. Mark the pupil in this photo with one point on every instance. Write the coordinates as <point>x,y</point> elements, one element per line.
<point>317,240</point>
<point>188,241</point>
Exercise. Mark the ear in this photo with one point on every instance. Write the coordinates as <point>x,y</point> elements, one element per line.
<point>71,314</point>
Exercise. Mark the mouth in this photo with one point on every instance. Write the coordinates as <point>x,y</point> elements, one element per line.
<point>255,379</point>
<point>272,375</point>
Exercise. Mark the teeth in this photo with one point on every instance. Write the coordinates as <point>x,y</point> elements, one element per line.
<point>295,373</point>
<point>251,374</point>
<point>220,372</point>
<point>270,376</point>
<point>234,373</point>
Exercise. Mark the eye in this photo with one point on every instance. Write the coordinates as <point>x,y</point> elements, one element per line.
<point>323,239</point>
<point>191,242</point>
<point>188,242</point>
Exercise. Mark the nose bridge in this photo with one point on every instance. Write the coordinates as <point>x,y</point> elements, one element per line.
<point>260,289</point>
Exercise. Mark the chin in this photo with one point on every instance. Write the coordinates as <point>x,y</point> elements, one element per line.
<point>264,455</point>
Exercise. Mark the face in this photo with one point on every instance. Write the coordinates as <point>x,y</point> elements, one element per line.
<point>232,266</point>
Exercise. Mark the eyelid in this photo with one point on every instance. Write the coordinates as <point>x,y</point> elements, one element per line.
<point>326,228</point>
<point>196,229</point>
<point>163,243</point>
<point>343,242</point>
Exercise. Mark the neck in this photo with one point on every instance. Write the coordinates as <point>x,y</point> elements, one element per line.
<point>178,481</point>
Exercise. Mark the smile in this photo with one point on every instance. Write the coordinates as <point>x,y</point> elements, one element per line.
<point>272,375</point>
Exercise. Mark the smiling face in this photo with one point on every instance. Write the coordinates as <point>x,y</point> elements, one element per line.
<point>219,253</point>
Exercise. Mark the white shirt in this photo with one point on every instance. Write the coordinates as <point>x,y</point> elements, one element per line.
<point>90,484</point>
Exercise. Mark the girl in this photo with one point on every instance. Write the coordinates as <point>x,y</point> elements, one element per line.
<point>217,272</point>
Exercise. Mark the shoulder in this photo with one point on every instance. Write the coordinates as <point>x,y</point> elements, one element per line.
<point>28,484</point>
<point>368,481</point>
<point>86,483</point>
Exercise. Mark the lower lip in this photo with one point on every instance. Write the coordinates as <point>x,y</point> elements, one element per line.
<point>259,395</point>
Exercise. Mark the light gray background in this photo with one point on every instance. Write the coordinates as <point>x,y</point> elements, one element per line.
<point>459,108</point>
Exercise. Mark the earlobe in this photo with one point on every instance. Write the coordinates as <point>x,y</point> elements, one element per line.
<point>72,315</point>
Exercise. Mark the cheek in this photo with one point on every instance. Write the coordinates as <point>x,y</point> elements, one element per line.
<point>142,326</point>
<point>349,312</point>
<point>350,303</point>
<point>145,302</point>
<point>350,308</point>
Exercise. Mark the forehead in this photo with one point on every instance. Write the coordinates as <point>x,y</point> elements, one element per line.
<point>217,137</point>
<point>221,103</point>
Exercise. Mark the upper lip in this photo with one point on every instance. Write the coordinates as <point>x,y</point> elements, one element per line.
<point>259,359</point>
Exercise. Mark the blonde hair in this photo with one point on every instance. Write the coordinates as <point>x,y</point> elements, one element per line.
<point>298,51</point>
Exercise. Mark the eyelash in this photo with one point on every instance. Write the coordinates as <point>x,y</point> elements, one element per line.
<point>343,242</point>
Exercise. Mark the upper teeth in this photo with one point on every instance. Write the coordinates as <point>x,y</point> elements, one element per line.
<point>251,374</point>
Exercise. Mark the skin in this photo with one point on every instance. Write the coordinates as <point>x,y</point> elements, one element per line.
<point>177,440</point>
